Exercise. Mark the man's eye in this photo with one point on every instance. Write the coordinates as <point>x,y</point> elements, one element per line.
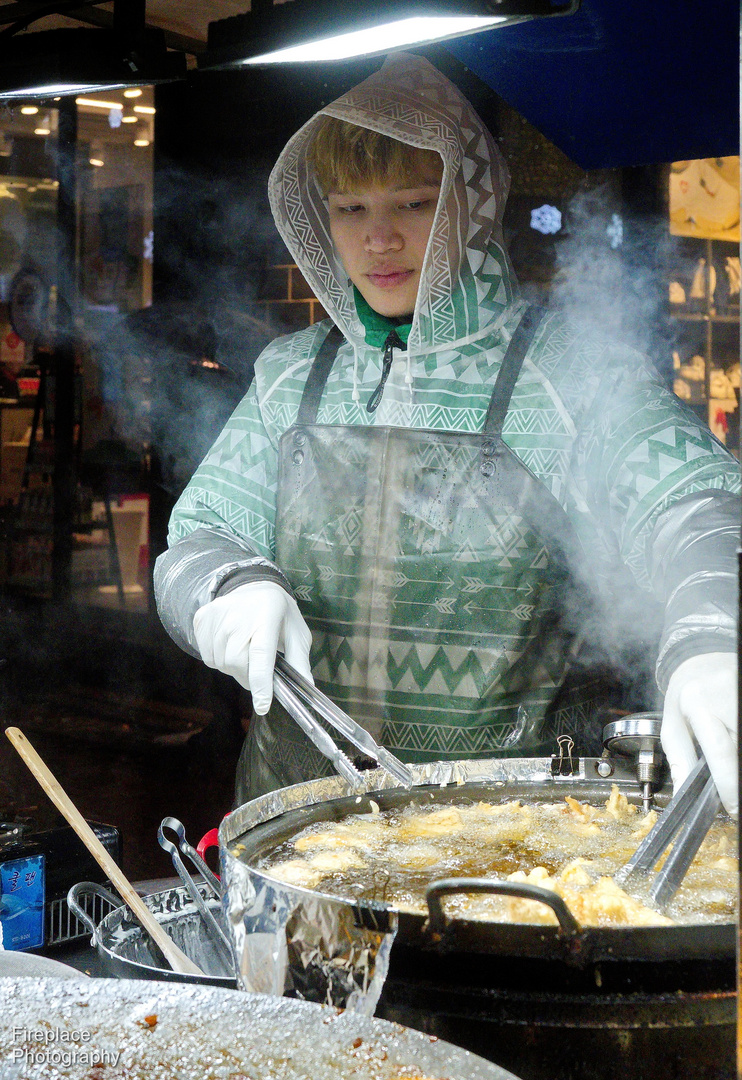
<point>353,209</point>
<point>417,204</point>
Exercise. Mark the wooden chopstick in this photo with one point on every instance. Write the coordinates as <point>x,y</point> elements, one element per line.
<point>175,957</point>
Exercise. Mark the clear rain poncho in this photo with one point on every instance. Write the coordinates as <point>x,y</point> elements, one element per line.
<point>490,651</point>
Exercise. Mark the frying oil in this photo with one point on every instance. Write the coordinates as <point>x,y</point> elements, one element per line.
<point>572,847</point>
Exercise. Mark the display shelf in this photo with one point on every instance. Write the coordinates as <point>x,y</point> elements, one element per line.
<point>705,277</point>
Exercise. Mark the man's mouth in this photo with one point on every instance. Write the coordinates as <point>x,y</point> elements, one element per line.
<point>388,279</point>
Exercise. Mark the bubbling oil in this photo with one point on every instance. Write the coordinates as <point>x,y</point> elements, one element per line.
<point>573,848</point>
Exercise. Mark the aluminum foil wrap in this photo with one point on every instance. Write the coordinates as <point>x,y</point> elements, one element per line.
<point>291,941</point>
<point>122,1029</point>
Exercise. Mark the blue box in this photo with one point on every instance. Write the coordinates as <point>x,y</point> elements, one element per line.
<point>22,888</point>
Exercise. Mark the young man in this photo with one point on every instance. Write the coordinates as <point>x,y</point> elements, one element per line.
<point>456,498</point>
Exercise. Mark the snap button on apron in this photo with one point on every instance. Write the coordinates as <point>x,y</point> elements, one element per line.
<point>297,457</point>
<point>487,468</point>
<point>299,438</point>
<point>488,449</point>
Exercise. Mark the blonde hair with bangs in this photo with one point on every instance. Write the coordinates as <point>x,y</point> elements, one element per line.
<point>345,157</point>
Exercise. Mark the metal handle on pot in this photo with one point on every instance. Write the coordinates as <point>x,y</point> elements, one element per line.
<point>89,888</point>
<point>450,886</point>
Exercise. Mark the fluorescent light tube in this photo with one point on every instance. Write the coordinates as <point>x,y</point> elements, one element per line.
<point>375,39</point>
<point>97,104</point>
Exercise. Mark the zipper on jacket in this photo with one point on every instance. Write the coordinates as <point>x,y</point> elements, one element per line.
<point>392,342</point>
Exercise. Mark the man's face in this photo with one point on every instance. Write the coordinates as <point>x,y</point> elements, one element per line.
<point>380,235</point>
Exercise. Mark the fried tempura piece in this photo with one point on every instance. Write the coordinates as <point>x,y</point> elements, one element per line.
<point>606,904</point>
<point>618,806</point>
<point>531,911</point>
<point>333,862</point>
<point>725,862</point>
<point>438,823</point>
<point>414,856</point>
<point>297,872</point>
<point>574,873</point>
<point>646,824</point>
<point>582,811</point>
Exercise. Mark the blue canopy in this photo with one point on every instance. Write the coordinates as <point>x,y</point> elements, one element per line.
<point>621,82</point>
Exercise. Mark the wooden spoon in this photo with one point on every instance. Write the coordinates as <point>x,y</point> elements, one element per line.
<point>175,957</point>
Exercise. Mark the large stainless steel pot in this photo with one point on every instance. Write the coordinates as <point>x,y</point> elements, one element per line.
<point>545,1001</point>
<point>54,1027</point>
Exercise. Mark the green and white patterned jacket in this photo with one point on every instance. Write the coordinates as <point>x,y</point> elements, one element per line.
<point>648,488</point>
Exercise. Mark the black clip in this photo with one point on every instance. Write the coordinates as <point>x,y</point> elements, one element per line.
<point>564,764</point>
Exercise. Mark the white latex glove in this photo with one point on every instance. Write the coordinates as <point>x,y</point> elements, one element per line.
<point>701,703</point>
<point>240,632</point>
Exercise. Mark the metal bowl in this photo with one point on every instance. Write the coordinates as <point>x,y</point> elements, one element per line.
<point>127,950</point>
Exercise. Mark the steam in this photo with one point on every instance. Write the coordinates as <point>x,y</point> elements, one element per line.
<point>610,265</point>
<point>171,375</point>
<point>608,282</point>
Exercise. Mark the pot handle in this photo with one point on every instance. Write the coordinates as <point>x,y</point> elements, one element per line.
<point>89,888</point>
<point>209,840</point>
<point>435,892</point>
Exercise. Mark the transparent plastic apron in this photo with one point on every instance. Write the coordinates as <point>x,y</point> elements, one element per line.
<point>431,567</point>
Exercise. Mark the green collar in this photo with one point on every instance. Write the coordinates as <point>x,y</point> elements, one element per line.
<point>378,327</point>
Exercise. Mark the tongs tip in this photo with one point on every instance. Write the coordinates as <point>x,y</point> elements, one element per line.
<point>395,767</point>
<point>288,683</point>
<point>685,822</point>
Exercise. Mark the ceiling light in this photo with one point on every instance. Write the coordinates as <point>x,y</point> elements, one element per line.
<point>376,39</point>
<point>47,63</point>
<point>42,131</point>
<point>141,142</point>
<point>288,32</point>
<point>30,110</point>
<point>96,161</point>
<point>96,103</point>
<point>148,110</point>
<point>134,92</point>
<point>128,119</point>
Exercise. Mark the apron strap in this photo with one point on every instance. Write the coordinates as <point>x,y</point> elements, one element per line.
<point>507,376</point>
<point>315,384</point>
<point>499,404</point>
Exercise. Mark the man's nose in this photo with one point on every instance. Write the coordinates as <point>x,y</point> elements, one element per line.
<point>382,235</point>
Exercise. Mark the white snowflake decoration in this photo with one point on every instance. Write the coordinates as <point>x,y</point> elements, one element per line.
<point>149,246</point>
<point>114,118</point>
<point>614,231</point>
<point>546,219</point>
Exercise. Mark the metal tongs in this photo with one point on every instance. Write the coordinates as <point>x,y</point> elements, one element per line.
<point>295,693</point>
<point>686,820</point>
<point>216,933</point>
